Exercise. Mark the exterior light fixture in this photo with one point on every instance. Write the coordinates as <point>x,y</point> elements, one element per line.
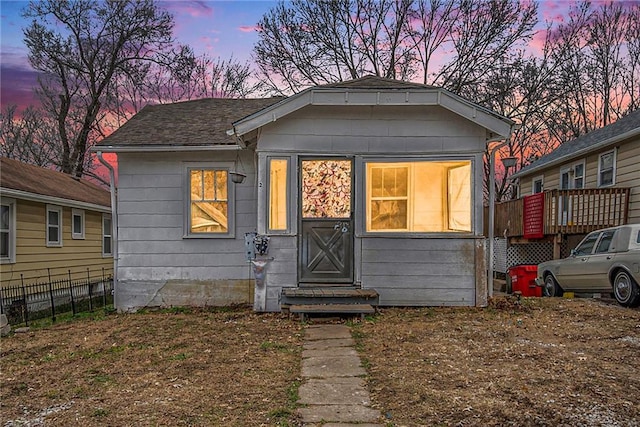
<point>238,173</point>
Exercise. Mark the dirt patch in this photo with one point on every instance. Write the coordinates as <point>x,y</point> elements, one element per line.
<point>542,362</point>
<point>232,368</point>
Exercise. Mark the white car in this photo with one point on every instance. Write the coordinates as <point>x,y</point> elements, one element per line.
<point>605,261</point>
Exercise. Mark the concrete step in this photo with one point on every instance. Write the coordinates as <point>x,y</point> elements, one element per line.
<point>338,309</point>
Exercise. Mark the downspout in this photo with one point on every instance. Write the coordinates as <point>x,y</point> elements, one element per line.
<point>114,224</point>
<point>492,207</point>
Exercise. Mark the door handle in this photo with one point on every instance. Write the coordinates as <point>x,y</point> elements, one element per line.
<point>609,257</point>
<point>584,259</point>
<point>342,226</point>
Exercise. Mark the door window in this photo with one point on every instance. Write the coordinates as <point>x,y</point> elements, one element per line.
<point>326,188</point>
<point>605,242</point>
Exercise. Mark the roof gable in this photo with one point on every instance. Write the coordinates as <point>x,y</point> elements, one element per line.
<point>34,180</point>
<point>373,90</point>
<point>624,128</point>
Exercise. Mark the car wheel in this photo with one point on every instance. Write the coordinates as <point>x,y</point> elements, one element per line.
<point>626,290</point>
<point>551,287</point>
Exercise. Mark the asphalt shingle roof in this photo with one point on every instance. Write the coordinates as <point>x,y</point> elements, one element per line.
<point>190,123</point>
<point>16,175</point>
<point>577,147</point>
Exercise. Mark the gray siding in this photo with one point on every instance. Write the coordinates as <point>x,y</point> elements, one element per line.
<point>159,267</point>
<point>156,265</point>
<point>420,272</point>
<point>407,271</point>
<point>374,130</point>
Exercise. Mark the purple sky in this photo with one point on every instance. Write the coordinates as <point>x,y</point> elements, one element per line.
<point>219,28</point>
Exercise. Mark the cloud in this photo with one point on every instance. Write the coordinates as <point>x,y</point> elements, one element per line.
<point>19,91</point>
<point>248,28</point>
<point>196,9</point>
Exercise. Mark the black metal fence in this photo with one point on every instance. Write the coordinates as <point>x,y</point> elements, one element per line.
<point>24,303</point>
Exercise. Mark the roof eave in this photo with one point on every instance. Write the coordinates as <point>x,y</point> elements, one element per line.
<point>579,153</point>
<point>361,96</point>
<point>35,197</point>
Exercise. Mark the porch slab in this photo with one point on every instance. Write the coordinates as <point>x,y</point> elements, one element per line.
<point>334,391</point>
<point>325,332</point>
<point>328,343</point>
<point>332,367</point>
<point>330,352</point>
<point>339,414</point>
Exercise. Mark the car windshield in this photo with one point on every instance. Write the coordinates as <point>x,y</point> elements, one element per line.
<point>586,247</point>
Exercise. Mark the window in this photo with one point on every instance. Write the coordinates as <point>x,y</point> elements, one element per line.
<point>278,194</point>
<point>607,168</point>
<point>605,242</point>
<point>54,226</point>
<point>578,175</point>
<point>7,231</point>
<point>107,230</point>
<point>419,196</point>
<point>77,224</point>
<point>209,209</point>
<point>586,246</point>
<point>537,185</point>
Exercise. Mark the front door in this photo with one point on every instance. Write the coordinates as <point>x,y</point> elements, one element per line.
<point>326,221</point>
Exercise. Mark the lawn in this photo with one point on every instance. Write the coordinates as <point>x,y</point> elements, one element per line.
<point>542,362</point>
<point>174,367</point>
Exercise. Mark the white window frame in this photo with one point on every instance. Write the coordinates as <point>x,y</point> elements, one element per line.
<point>11,204</point>
<point>614,169</point>
<point>52,243</point>
<point>287,229</point>
<point>106,254</point>
<point>231,200</point>
<point>74,234</point>
<point>584,174</point>
<point>362,203</point>
<point>540,179</point>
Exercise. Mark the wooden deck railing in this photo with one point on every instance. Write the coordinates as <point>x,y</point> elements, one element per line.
<point>568,211</point>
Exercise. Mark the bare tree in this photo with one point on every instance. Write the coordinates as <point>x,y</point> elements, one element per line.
<point>430,26</point>
<point>316,42</point>
<point>80,46</point>
<point>23,138</point>
<point>484,32</point>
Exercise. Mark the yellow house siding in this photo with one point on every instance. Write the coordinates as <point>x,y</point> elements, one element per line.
<point>34,258</point>
<point>627,174</point>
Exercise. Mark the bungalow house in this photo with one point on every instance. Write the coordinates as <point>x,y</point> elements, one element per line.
<point>372,186</point>
<point>585,184</point>
<point>51,224</point>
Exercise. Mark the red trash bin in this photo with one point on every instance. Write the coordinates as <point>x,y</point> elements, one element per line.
<point>523,279</point>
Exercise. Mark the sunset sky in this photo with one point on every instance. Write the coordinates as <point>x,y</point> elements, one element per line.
<point>219,28</point>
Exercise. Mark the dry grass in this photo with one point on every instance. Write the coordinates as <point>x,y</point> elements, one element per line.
<point>174,367</point>
<point>544,362</point>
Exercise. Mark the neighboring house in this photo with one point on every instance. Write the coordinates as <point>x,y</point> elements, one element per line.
<point>50,224</point>
<point>588,183</point>
<point>365,184</point>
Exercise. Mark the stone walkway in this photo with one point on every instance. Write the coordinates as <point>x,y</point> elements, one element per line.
<point>333,391</point>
